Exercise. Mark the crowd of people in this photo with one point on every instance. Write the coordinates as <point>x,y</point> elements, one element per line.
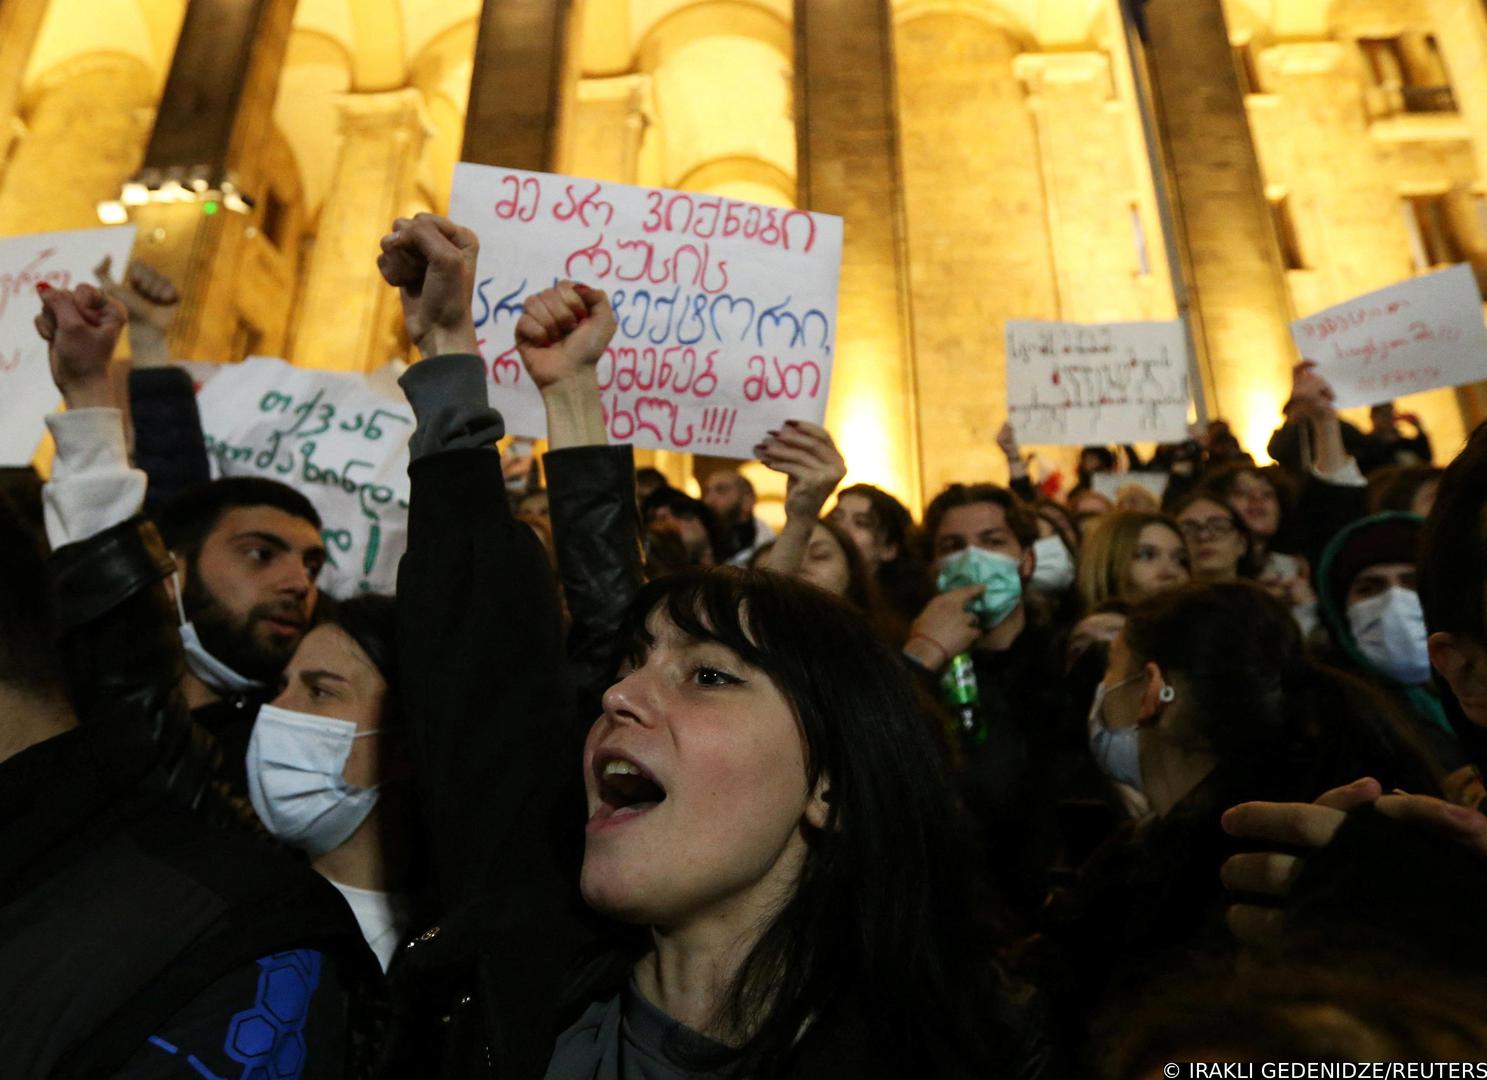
<point>623,784</point>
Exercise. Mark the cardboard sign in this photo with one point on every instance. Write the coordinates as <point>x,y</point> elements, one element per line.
<point>1080,385</point>
<point>727,310</point>
<point>331,437</point>
<point>61,260</point>
<point>1421,334</point>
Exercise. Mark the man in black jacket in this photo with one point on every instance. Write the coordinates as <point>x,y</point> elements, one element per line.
<point>136,940</point>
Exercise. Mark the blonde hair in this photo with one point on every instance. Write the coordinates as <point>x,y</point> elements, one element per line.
<point>1104,571</point>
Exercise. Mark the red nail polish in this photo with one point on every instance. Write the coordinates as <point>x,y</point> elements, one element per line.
<point>42,288</point>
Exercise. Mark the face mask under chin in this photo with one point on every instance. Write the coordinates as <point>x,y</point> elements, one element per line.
<point>221,654</point>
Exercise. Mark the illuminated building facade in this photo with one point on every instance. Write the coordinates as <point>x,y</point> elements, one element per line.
<point>1239,161</point>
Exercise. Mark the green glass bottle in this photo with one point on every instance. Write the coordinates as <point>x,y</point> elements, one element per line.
<point>960,691</point>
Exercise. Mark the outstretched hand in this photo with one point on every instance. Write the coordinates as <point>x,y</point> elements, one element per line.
<point>563,332</point>
<point>808,456</point>
<point>81,328</point>
<point>1312,826</point>
<point>431,262</point>
<point>1312,397</point>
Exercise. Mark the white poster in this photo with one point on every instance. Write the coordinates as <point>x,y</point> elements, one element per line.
<point>1080,385</point>
<point>1421,334</point>
<point>727,310</point>
<point>61,260</point>
<point>330,436</point>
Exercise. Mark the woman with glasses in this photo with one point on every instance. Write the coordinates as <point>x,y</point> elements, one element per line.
<point>1219,541</point>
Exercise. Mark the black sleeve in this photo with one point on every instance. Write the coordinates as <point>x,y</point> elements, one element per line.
<point>1022,487</point>
<point>596,529</point>
<point>282,1016</point>
<point>1323,510</point>
<point>168,442</point>
<point>1285,446</point>
<point>480,651</point>
<point>121,652</point>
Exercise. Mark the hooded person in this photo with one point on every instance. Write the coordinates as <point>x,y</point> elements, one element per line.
<point>1368,596</point>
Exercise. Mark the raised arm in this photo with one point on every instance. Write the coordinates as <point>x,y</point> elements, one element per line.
<point>120,650</point>
<point>591,485</point>
<point>480,633</point>
<point>806,454</point>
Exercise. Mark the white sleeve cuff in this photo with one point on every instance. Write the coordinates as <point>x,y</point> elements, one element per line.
<point>93,487</point>
<point>1347,475</point>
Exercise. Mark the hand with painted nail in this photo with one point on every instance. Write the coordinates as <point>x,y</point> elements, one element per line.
<point>1270,874</point>
<point>431,262</point>
<point>81,328</point>
<point>808,456</point>
<point>563,332</point>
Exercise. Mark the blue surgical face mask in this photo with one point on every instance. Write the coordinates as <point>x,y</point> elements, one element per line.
<point>1117,750</point>
<point>296,765</point>
<point>206,667</point>
<point>1389,630</point>
<point>1001,574</point>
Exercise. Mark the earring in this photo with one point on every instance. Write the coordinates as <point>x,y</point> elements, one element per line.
<point>1167,695</point>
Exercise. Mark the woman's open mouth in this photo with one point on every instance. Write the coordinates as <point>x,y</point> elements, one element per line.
<point>626,791</point>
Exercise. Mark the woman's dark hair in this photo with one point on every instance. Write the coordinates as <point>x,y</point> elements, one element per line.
<point>1367,1009</point>
<point>1257,700</point>
<point>903,580</point>
<point>1394,487</point>
<point>370,620</point>
<point>897,947</point>
<point>1064,525</point>
<point>1249,565</point>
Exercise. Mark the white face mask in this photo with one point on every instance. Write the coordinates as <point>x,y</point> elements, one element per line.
<point>1117,750</point>
<point>296,763</point>
<point>203,664</point>
<point>1054,570</point>
<point>1390,632</point>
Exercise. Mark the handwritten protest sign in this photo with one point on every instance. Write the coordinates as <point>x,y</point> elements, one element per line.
<point>61,260</point>
<point>1418,335</point>
<point>1078,385</point>
<point>331,437</point>
<point>727,310</point>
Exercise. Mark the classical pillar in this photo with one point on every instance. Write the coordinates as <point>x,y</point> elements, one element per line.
<point>978,239</point>
<point>1107,251</point>
<point>1240,308</point>
<point>200,195</point>
<point>346,310</point>
<point>20,23</point>
<point>75,151</point>
<point>514,114</point>
<point>848,164</point>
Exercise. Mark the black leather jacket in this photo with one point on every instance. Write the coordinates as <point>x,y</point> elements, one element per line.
<point>122,655</point>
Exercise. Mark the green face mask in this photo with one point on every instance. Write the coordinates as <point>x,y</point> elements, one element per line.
<point>999,573</point>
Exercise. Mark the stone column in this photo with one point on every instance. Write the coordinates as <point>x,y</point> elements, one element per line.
<point>20,23</point>
<point>1095,200</point>
<point>978,239</point>
<point>1240,305</point>
<point>74,151</point>
<point>213,127</point>
<point>848,164</point>
<point>514,116</point>
<point>346,310</point>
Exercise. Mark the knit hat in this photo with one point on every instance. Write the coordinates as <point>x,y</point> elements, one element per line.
<point>1383,538</point>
